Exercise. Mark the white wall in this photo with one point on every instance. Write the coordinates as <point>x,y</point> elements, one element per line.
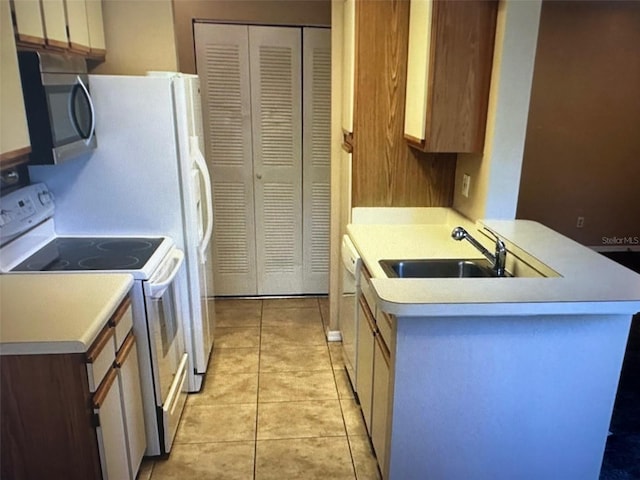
<point>495,175</point>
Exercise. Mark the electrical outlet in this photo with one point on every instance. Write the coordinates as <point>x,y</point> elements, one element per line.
<point>580,222</point>
<point>466,183</point>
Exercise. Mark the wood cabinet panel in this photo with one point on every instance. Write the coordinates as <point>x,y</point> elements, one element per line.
<point>55,24</point>
<point>386,171</point>
<point>45,400</point>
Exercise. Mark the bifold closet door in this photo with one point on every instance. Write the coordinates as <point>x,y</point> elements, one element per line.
<point>275,64</point>
<point>316,163</point>
<point>222,57</point>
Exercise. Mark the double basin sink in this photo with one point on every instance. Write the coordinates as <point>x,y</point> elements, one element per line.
<point>439,268</point>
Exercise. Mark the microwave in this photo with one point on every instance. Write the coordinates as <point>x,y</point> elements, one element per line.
<point>60,113</point>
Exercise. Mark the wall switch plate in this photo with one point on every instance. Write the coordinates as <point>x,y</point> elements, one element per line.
<point>580,222</point>
<point>466,183</point>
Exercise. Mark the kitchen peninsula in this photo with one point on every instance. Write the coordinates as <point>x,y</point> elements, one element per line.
<point>494,378</point>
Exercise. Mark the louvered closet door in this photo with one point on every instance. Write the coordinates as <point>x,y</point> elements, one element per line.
<point>316,165</point>
<point>277,130</point>
<point>222,56</point>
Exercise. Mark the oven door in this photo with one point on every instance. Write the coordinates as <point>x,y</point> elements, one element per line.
<point>164,320</point>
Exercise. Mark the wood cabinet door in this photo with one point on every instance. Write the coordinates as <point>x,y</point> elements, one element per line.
<point>380,407</point>
<point>364,360</point>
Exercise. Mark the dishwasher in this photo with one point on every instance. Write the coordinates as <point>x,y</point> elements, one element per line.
<point>348,313</point>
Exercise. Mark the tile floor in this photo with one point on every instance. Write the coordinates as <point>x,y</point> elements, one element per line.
<point>276,402</point>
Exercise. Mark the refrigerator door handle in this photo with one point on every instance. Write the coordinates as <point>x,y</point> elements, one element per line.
<point>204,171</point>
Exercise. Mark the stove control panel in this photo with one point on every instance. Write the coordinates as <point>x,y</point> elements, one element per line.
<point>23,209</point>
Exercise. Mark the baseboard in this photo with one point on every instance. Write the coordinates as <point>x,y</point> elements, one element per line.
<point>334,336</point>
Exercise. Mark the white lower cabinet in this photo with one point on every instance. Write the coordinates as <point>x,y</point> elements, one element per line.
<point>373,370</point>
<point>110,431</point>
<point>364,359</point>
<point>381,398</point>
<point>131,400</point>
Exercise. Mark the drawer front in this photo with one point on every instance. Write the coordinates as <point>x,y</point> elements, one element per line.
<point>367,290</point>
<point>100,357</point>
<point>386,327</point>
<point>123,321</point>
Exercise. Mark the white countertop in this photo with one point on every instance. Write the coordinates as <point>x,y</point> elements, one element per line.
<point>585,282</point>
<point>56,313</point>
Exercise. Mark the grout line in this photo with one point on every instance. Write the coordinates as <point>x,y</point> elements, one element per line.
<point>255,440</point>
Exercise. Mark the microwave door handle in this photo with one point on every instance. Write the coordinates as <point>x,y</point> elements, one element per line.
<point>204,172</point>
<point>155,288</point>
<point>80,84</point>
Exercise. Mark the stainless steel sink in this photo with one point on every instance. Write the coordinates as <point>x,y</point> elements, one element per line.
<point>440,268</point>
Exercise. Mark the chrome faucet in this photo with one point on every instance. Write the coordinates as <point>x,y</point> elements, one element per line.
<point>497,259</point>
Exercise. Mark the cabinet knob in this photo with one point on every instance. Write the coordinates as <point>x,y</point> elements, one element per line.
<point>259,176</point>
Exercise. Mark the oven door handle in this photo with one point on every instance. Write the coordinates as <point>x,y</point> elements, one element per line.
<point>158,284</point>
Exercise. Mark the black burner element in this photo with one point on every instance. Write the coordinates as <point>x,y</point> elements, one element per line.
<point>100,253</point>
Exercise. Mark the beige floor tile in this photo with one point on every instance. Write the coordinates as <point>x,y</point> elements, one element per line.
<point>293,386</point>
<point>207,461</point>
<point>298,302</point>
<point>294,359</point>
<point>240,337</point>
<point>291,316</point>
<point>335,350</point>
<point>343,383</point>
<point>233,360</point>
<point>217,423</point>
<point>364,459</point>
<point>222,304</point>
<point>293,335</point>
<point>146,468</point>
<point>305,458</point>
<point>238,318</point>
<point>353,417</point>
<point>227,388</point>
<point>324,310</point>
<point>320,418</point>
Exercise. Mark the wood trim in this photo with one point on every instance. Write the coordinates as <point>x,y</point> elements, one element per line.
<point>419,143</point>
<point>79,48</point>
<point>124,351</point>
<point>47,430</point>
<point>15,157</point>
<point>29,39</point>
<point>99,343</point>
<point>104,388</point>
<point>366,272</point>
<point>57,44</point>
<point>387,319</point>
<point>120,311</point>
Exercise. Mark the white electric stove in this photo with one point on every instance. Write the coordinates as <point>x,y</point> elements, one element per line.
<point>29,244</point>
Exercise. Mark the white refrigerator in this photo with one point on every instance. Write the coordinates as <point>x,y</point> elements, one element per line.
<point>147,177</point>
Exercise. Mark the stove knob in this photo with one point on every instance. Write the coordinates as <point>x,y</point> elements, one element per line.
<point>44,197</point>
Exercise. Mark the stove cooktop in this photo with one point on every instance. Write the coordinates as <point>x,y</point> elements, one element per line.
<point>87,253</point>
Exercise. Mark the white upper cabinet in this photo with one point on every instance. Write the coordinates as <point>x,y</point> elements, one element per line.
<point>77,25</point>
<point>14,134</point>
<point>96,27</point>
<point>29,26</point>
<point>55,23</point>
